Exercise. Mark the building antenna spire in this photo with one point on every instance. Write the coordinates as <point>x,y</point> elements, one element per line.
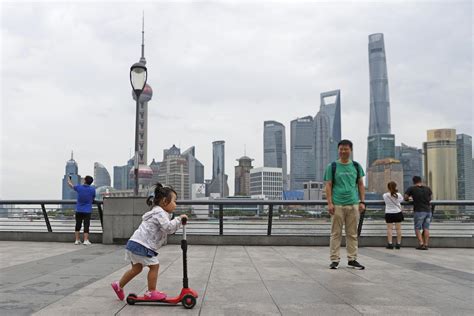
<point>72,154</point>
<point>245,149</point>
<point>142,59</point>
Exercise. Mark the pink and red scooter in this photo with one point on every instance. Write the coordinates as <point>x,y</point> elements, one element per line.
<point>187,297</point>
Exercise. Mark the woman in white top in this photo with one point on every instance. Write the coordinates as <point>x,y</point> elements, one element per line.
<point>393,214</point>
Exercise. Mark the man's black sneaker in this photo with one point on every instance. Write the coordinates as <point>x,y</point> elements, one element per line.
<point>389,246</point>
<point>420,247</point>
<point>355,265</point>
<point>398,246</point>
<point>333,265</point>
<point>425,247</point>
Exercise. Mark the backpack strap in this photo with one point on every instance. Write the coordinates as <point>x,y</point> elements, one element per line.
<point>333,170</point>
<point>356,165</point>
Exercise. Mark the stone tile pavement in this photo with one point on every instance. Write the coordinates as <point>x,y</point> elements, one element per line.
<point>42,278</point>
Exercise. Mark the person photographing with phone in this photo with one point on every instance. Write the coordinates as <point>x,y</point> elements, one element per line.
<point>85,198</point>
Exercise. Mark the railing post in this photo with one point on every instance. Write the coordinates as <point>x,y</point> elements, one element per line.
<point>432,211</point>
<point>46,219</point>
<point>270,218</point>
<point>221,219</point>
<point>99,208</point>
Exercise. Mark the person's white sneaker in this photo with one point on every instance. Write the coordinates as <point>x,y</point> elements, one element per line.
<point>87,242</point>
<point>77,242</point>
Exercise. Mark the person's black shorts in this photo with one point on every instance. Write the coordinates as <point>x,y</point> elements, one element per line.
<point>394,217</point>
<point>86,217</point>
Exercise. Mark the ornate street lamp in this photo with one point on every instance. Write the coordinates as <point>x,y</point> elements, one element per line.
<point>138,76</point>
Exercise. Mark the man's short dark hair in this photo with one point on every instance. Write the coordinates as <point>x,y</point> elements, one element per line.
<point>88,180</point>
<point>416,179</point>
<point>345,142</point>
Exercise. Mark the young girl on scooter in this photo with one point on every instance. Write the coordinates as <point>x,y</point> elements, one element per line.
<point>142,247</point>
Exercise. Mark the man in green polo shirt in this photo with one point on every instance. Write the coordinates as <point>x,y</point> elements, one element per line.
<point>345,193</point>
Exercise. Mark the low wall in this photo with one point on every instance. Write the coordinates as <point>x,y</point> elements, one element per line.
<point>121,216</point>
<point>245,240</point>
<point>46,236</point>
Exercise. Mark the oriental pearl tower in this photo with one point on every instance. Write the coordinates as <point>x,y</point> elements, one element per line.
<point>145,173</point>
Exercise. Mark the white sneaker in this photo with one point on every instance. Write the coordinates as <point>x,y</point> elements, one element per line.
<point>77,242</point>
<point>87,242</point>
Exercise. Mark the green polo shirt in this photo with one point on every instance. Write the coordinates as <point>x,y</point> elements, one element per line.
<point>345,190</point>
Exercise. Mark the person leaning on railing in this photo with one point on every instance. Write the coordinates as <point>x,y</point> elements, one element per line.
<point>85,198</point>
<point>393,214</point>
<point>421,195</point>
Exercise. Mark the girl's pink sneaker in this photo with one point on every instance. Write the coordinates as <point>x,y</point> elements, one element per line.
<point>155,295</point>
<point>118,290</point>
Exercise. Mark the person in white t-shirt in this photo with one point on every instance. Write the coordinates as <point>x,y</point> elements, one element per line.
<point>393,214</point>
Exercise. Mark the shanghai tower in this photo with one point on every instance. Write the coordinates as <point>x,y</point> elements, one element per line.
<point>380,143</point>
<point>379,97</point>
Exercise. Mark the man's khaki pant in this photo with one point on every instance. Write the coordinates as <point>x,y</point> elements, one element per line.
<point>347,215</point>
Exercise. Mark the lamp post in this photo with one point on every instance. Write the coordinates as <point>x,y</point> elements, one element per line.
<point>138,76</point>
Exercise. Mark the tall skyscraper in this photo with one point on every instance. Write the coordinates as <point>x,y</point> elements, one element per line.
<point>72,170</point>
<point>327,131</point>
<point>242,176</point>
<point>155,166</point>
<point>303,164</point>
<point>411,159</point>
<point>219,178</point>
<point>174,171</point>
<point>465,167</point>
<point>122,176</point>
<point>101,175</point>
<point>274,147</point>
<point>381,142</point>
<point>379,96</point>
<point>196,168</point>
<point>441,170</point>
<point>380,146</point>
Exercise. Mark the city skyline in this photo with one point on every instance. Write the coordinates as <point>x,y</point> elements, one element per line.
<point>213,83</point>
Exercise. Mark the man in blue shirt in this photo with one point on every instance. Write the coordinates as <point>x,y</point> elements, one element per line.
<point>85,198</point>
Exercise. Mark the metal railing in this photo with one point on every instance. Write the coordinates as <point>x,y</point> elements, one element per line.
<point>272,208</point>
<point>32,213</point>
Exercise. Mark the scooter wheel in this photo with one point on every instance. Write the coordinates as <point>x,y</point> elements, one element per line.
<point>131,299</point>
<point>188,301</point>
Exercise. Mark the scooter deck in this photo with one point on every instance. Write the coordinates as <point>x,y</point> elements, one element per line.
<point>187,297</point>
<point>167,300</point>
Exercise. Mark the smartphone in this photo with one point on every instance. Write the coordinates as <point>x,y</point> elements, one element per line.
<point>70,178</point>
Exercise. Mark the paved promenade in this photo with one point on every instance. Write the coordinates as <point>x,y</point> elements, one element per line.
<point>44,278</point>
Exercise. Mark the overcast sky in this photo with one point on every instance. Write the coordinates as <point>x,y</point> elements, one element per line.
<point>218,70</point>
